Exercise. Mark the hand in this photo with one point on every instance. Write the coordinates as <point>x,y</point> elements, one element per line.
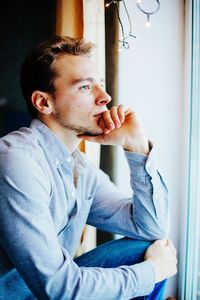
<point>162,255</point>
<point>121,127</point>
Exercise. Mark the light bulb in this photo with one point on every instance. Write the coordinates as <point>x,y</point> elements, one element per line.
<point>109,3</point>
<point>148,23</point>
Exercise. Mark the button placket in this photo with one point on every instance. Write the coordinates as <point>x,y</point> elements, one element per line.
<point>69,159</point>
<point>73,194</point>
<point>56,162</point>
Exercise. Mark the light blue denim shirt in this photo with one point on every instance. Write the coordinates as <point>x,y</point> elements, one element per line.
<point>46,198</point>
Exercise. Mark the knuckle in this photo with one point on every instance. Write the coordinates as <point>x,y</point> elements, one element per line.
<point>105,115</point>
<point>121,108</point>
<point>107,118</point>
<point>113,110</point>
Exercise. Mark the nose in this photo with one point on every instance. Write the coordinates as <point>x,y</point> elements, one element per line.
<point>102,98</point>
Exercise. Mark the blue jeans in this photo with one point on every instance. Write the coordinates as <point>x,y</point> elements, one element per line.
<point>120,252</point>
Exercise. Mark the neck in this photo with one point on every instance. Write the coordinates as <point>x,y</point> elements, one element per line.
<point>67,136</point>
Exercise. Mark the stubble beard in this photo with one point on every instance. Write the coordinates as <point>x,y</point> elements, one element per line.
<point>79,130</point>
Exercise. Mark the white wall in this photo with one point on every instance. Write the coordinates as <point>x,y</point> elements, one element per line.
<point>151,81</point>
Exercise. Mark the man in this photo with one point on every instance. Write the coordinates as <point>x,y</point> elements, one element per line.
<point>49,191</point>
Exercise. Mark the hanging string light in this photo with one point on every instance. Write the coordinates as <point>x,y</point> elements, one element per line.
<point>124,44</point>
<point>148,13</point>
<point>108,4</point>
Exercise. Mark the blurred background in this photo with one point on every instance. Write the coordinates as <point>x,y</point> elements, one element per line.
<point>158,76</point>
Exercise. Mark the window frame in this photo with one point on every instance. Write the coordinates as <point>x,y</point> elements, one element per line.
<point>190,240</point>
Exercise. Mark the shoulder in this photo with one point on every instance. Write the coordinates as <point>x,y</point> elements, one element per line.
<point>23,143</point>
<point>21,163</point>
<point>20,152</point>
<point>24,138</point>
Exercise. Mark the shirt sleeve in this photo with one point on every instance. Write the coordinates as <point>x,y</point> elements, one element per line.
<point>146,214</point>
<point>28,237</point>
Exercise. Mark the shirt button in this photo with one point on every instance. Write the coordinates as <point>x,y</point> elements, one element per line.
<point>73,194</point>
<point>56,162</point>
<point>69,160</point>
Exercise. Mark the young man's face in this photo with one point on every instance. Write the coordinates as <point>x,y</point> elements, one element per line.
<point>80,97</point>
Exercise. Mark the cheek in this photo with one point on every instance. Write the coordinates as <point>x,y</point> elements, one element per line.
<point>84,108</point>
<point>76,107</point>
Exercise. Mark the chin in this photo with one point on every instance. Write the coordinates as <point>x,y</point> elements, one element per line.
<point>94,130</point>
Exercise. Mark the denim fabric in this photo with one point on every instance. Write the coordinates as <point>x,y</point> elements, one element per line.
<point>120,252</point>
<point>47,196</point>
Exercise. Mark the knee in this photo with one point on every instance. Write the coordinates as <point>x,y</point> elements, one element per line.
<point>134,250</point>
<point>135,244</point>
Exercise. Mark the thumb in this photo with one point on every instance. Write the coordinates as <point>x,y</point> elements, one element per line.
<point>162,242</point>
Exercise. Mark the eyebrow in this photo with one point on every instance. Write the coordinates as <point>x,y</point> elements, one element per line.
<point>90,79</point>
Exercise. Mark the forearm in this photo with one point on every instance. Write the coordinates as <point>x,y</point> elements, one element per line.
<point>137,145</point>
<point>150,199</point>
<point>125,282</point>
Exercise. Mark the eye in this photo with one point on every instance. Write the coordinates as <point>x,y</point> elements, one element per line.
<point>85,87</point>
<point>102,86</point>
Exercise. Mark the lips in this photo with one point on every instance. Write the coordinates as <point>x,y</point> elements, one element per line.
<point>99,114</point>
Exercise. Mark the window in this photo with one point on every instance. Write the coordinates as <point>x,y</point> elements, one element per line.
<point>190,258</point>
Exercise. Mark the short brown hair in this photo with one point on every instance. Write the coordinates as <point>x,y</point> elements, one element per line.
<point>37,72</point>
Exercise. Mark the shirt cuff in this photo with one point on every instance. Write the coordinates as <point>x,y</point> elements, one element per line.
<point>144,175</point>
<point>145,278</point>
<point>140,164</point>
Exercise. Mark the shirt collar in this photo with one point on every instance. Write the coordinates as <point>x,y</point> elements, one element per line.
<point>56,147</point>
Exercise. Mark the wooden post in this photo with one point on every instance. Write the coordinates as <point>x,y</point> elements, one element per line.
<point>69,18</point>
<point>69,21</point>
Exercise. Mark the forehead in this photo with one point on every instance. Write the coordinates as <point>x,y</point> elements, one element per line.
<point>71,66</point>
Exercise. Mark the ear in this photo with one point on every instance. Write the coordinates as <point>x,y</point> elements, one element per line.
<point>42,102</point>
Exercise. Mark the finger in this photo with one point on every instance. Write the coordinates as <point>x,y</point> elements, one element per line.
<point>102,125</point>
<point>108,120</point>
<point>171,245</point>
<point>120,111</point>
<point>161,242</point>
<point>173,250</point>
<point>169,242</point>
<point>115,117</point>
<point>128,111</point>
